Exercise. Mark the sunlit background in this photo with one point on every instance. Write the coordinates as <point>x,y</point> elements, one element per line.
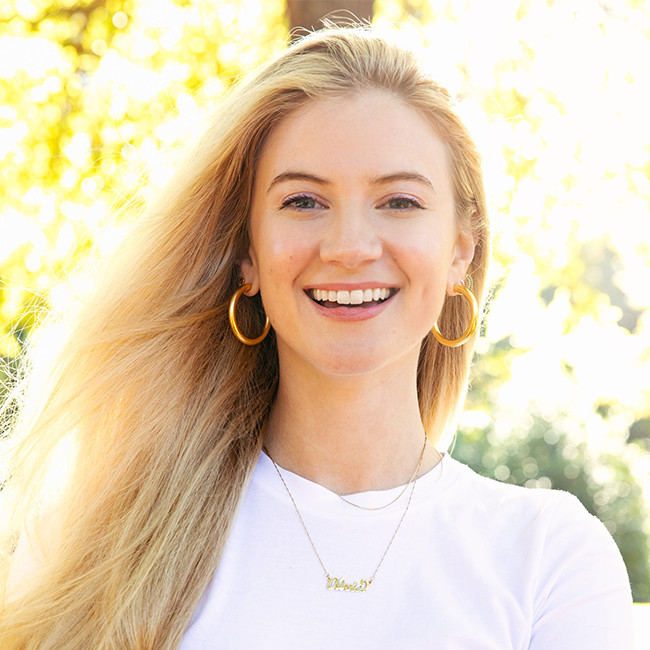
<point>96,96</point>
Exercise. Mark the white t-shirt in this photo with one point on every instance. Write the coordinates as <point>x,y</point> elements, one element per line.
<point>476,565</point>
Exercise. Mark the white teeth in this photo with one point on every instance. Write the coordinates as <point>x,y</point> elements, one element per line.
<point>354,297</point>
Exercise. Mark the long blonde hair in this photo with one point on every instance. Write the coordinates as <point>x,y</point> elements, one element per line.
<point>165,408</point>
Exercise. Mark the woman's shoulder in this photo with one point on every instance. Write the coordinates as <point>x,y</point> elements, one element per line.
<point>569,552</point>
<point>489,493</point>
<point>547,513</point>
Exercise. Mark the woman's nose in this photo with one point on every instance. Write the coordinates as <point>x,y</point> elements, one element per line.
<point>350,239</point>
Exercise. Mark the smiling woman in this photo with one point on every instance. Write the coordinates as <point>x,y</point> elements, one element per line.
<point>259,390</point>
<point>331,212</point>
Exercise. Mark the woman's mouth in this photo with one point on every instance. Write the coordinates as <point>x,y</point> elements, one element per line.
<point>363,298</point>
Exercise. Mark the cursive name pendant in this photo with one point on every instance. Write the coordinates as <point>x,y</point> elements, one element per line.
<point>338,584</point>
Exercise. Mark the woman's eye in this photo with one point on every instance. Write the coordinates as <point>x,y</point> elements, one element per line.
<point>402,203</point>
<point>300,202</point>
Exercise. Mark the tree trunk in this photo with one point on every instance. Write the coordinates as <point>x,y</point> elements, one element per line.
<point>307,13</point>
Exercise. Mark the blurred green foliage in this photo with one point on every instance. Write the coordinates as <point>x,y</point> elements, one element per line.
<point>89,92</point>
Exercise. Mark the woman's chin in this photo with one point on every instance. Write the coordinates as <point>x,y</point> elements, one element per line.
<point>351,359</point>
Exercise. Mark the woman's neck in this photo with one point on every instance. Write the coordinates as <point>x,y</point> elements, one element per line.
<point>350,434</point>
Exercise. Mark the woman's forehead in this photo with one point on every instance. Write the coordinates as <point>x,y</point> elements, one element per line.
<point>370,134</point>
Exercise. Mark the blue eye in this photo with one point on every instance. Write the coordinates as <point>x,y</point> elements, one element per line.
<point>402,203</point>
<point>300,202</point>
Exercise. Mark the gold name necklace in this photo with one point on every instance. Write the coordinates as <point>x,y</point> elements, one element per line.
<point>339,584</point>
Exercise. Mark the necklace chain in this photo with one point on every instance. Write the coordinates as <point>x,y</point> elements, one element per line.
<point>338,584</point>
<point>406,487</point>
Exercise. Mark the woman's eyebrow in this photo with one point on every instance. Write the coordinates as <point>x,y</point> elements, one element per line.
<point>403,176</point>
<point>296,176</point>
<point>378,180</point>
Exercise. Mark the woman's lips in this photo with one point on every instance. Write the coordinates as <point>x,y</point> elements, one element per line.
<point>351,312</point>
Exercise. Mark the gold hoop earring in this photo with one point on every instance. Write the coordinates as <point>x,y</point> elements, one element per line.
<point>233,319</point>
<point>473,321</point>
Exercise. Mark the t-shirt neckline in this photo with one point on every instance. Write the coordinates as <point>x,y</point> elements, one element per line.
<point>309,495</point>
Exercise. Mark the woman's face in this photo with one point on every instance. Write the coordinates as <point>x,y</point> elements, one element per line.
<point>353,235</point>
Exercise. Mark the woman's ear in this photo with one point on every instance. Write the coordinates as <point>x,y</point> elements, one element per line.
<point>462,256</point>
<point>248,271</point>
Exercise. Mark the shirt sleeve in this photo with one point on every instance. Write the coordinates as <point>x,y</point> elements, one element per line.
<point>583,599</point>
